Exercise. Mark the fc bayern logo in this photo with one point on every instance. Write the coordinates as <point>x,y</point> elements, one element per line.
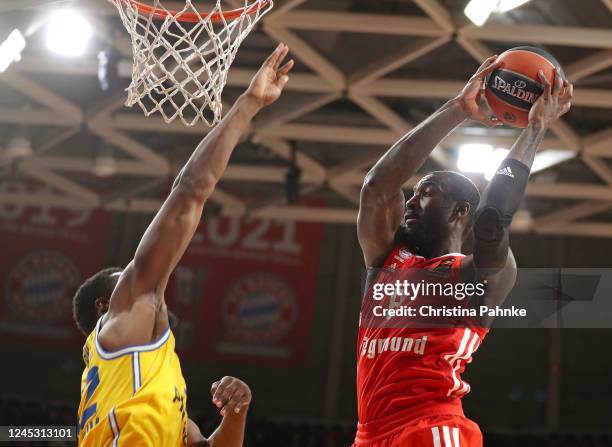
<point>40,286</point>
<point>259,308</point>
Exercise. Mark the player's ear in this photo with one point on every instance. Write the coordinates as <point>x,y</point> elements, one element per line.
<point>461,210</point>
<point>101,305</point>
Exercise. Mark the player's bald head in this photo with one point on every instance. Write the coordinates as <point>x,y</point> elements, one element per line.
<point>441,208</point>
<point>456,186</point>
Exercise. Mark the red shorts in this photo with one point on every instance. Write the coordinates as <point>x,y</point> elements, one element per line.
<point>437,431</point>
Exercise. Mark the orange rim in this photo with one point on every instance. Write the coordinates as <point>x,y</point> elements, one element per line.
<point>197,17</point>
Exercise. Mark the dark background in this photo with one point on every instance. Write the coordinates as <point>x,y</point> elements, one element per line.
<point>520,378</point>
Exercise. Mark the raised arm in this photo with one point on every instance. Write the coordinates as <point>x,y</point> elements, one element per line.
<point>492,258</point>
<point>382,201</point>
<point>140,289</point>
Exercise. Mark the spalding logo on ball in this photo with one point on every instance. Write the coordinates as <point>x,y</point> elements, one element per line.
<point>514,87</point>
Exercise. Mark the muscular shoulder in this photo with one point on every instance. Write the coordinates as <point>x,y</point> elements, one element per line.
<point>378,219</point>
<point>131,326</point>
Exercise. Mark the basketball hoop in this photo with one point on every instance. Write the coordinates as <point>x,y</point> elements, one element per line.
<point>182,57</point>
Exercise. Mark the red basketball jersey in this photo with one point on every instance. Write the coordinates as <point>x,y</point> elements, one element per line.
<point>409,373</point>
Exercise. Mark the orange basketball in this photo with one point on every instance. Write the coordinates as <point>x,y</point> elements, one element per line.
<point>512,89</point>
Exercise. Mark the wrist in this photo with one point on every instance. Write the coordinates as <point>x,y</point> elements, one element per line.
<point>458,108</point>
<point>250,104</point>
<point>231,414</point>
<point>538,126</point>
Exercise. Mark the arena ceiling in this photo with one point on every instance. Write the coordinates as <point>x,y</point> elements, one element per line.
<point>366,72</point>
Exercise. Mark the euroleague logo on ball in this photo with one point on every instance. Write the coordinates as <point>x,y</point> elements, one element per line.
<point>510,117</point>
<point>259,308</point>
<point>40,286</point>
<point>520,84</point>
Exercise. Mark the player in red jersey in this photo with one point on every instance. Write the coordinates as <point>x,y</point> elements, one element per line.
<point>408,379</point>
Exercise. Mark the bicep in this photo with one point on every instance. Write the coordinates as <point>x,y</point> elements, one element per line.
<point>135,301</point>
<point>377,222</point>
<point>165,241</point>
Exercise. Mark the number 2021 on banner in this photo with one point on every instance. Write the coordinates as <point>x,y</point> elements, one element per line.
<point>261,235</point>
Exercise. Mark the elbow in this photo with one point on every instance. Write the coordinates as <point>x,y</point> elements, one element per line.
<point>375,190</point>
<point>199,189</point>
<point>370,186</point>
<point>491,240</point>
<point>488,227</point>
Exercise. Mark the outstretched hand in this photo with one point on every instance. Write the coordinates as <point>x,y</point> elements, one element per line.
<point>553,102</point>
<point>268,83</point>
<point>230,395</point>
<point>472,98</point>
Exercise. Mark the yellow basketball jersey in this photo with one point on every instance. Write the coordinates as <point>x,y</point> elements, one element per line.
<point>132,397</point>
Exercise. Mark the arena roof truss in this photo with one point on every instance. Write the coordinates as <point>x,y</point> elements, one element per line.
<point>321,82</point>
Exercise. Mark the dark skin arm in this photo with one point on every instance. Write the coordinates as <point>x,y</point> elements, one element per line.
<point>139,294</point>
<point>495,263</point>
<point>194,436</point>
<point>382,201</point>
<point>232,396</point>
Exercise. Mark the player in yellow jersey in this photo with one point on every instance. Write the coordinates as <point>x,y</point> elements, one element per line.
<point>133,392</point>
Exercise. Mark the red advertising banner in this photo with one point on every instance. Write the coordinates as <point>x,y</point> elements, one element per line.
<point>245,291</point>
<point>45,254</point>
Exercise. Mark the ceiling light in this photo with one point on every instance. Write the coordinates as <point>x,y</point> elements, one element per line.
<point>478,11</point>
<point>474,157</point>
<point>507,5</point>
<point>68,33</point>
<point>494,161</point>
<point>104,162</point>
<point>18,147</point>
<point>104,166</point>
<point>550,157</point>
<point>480,158</point>
<point>11,48</point>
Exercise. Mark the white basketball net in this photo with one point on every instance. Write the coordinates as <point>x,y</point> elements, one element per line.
<point>180,68</point>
